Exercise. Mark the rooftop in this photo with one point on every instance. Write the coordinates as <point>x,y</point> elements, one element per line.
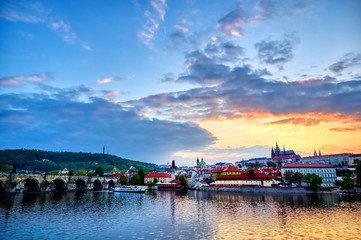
<point>307,165</point>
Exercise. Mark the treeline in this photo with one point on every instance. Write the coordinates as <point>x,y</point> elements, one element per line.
<point>30,159</point>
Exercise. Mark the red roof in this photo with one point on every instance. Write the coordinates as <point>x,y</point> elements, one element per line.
<point>218,169</point>
<point>232,168</point>
<point>245,176</point>
<point>158,175</point>
<point>307,165</point>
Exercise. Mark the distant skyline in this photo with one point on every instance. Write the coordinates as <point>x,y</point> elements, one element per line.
<point>158,80</point>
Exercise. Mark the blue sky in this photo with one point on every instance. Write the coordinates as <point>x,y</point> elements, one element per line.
<point>160,80</point>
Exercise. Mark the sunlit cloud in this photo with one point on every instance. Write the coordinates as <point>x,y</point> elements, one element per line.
<point>232,24</point>
<point>108,80</point>
<point>18,80</point>
<point>153,19</point>
<point>181,28</point>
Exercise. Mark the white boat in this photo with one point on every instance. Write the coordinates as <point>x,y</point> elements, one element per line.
<point>129,189</point>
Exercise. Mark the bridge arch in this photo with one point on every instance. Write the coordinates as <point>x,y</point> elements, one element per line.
<point>31,185</point>
<point>59,185</point>
<point>111,184</point>
<point>97,185</point>
<point>80,185</point>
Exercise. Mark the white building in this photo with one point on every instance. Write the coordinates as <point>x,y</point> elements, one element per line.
<point>338,160</point>
<point>326,171</point>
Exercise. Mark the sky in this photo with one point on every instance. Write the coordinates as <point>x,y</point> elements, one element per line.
<point>164,80</point>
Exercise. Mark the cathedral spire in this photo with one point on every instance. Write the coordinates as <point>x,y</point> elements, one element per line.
<point>314,153</point>
<point>319,152</point>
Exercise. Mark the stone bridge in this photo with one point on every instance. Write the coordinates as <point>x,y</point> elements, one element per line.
<point>35,183</point>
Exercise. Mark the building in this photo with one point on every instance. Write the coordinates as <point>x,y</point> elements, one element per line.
<point>277,152</point>
<point>353,159</point>
<point>249,178</point>
<point>225,170</point>
<point>162,177</point>
<point>338,160</point>
<point>326,171</point>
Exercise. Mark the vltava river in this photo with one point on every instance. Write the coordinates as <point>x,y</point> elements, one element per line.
<point>176,215</point>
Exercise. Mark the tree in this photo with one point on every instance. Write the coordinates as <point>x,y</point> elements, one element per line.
<point>81,172</point>
<point>183,179</point>
<point>288,176</point>
<point>313,180</point>
<point>123,179</point>
<point>150,184</point>
<point>155,180</point>
<point>6,168</point>
<point>347,182</point>
<point>297,178</point>
<point>136,179</point>
<point>358,172</point>
<point>99,171</point>
<point>271,164</point>
<point>54,172</point>
<point>141,173</point>
<point>71,172</point>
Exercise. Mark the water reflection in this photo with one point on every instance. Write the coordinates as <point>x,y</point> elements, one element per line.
<point>178,215</point>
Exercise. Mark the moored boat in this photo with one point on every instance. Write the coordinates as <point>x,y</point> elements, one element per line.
<point>129,189</point>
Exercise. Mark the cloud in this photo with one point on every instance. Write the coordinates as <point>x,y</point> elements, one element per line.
<point>267,9</point>
<point>19,80</point>
<point>349,60</point>
<point>228,93</point>
<point>63,28</point>
<point>207,66</point>
<point>232,24</point>
<point>305,121</point>
<point>276,52</point>
<point>36,13</point>
<point>347,129</point>
<point>59,119</point>
<point>153,19</point>
<point>181,28</point>
<point>108,80</point>
<point>23,11</point>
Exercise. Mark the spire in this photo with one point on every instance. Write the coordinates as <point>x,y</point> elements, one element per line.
<point>272,153</point>
<point>284,149</point>
<point>314,153</point>
<point>319,152</point>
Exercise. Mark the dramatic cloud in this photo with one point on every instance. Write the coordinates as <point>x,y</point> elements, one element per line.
<point>348,61</point>
<point>232,24</point>
<point>276,52</point>
<point>18,80</point>
<point>153,19</point>
<point>243,90</point>
<point>56,119</point>
<point>207,66</point>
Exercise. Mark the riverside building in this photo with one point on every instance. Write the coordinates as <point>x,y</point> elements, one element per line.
<point>326,171</point>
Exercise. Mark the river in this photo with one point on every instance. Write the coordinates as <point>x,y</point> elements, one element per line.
<point>179,215</point>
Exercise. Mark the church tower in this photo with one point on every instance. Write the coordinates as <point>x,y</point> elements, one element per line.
<point>272,153</point>
<point>315,153</point>
<point>197,163</point>
<point>277,150</point>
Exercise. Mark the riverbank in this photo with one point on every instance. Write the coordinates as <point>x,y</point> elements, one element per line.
<point>255,189</point>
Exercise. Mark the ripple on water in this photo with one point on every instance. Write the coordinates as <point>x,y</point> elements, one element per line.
<point>170,215</point>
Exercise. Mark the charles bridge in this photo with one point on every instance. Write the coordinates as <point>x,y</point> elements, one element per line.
<point>35,183</point>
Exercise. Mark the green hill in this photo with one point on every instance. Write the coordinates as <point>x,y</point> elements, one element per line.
<point>28,159</point>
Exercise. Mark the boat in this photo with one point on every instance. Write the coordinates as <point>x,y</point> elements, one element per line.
<point>129,189</point>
